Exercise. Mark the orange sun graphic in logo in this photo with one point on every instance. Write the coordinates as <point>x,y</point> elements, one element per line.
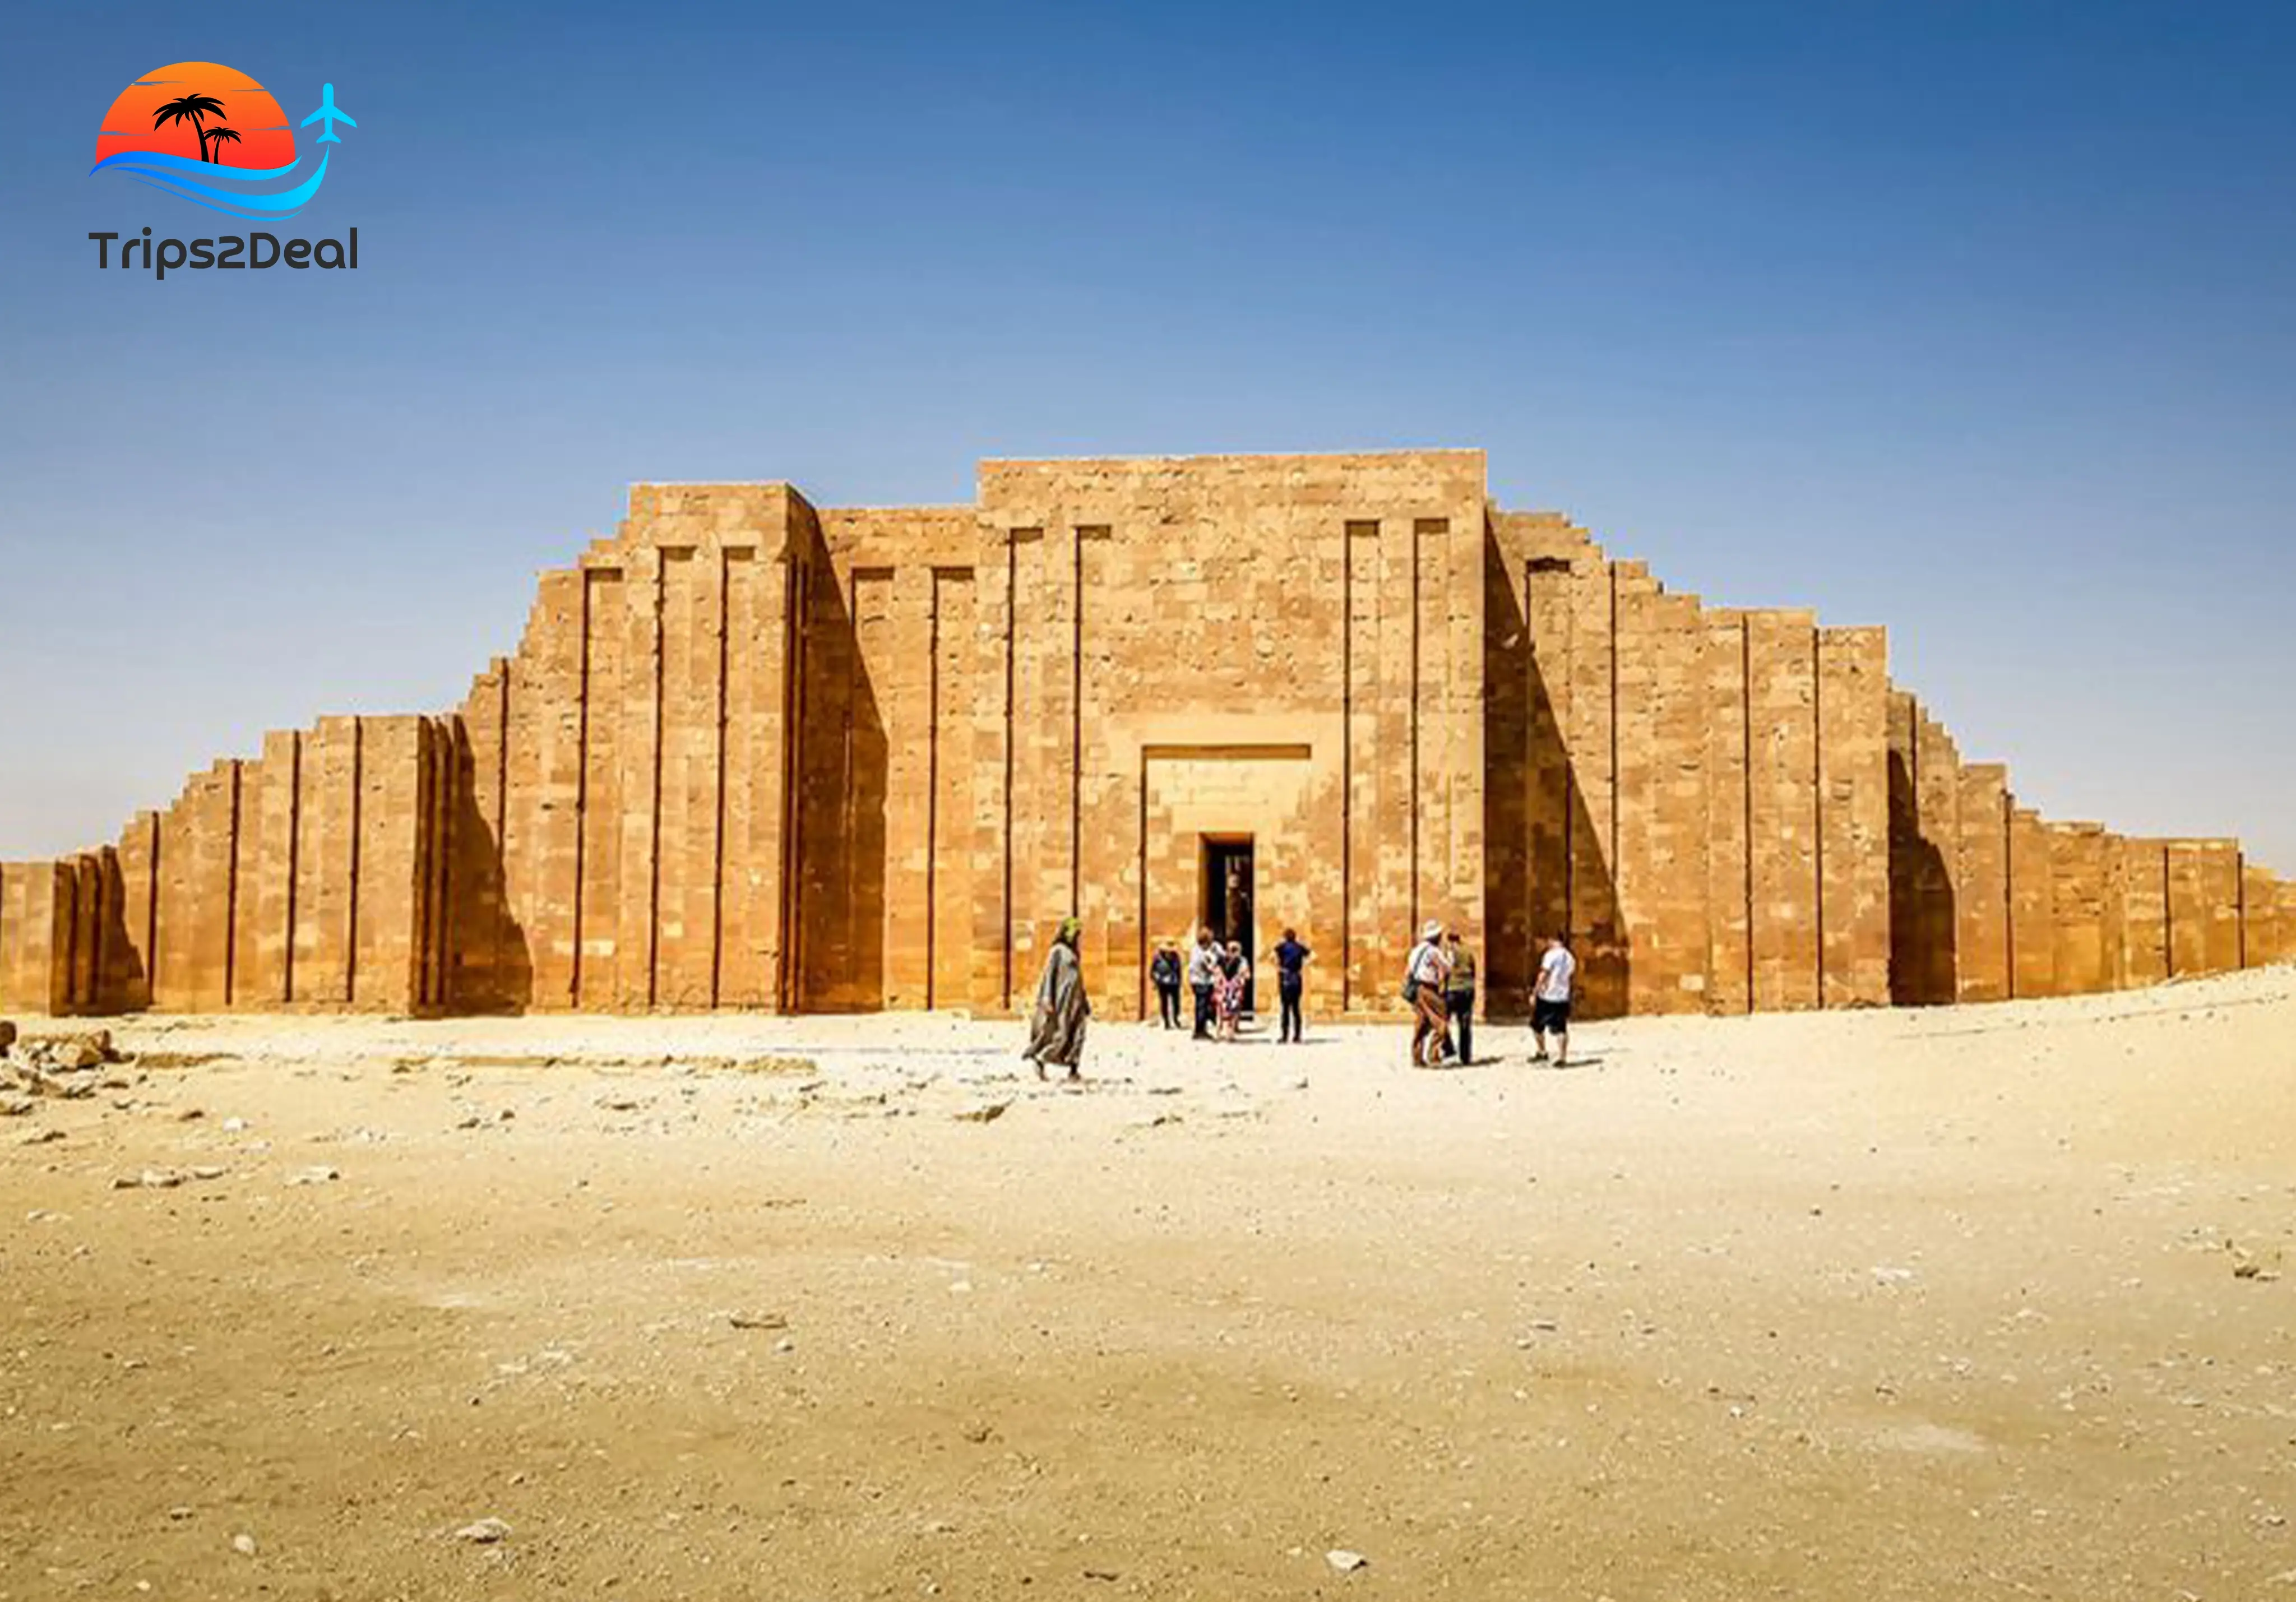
<point>203,113</point>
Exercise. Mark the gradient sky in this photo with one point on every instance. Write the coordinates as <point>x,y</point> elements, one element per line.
<point>1975,320</point>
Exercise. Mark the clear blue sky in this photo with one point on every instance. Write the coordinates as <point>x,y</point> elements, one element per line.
<point>1975,320</point>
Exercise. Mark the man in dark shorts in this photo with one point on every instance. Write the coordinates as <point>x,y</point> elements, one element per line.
<point>1290,958</point>
<point>1550,1001</point>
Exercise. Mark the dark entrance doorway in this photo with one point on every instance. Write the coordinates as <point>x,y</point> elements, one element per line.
<point>1227,898</point>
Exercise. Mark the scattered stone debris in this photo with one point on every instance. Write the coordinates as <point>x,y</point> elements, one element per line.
<point>320,1175</point>
<point>484,1532</point>
<point>746,1320</point>
<point>59,1054</point>
<point>164,1178</point>
<point>1345,1561</point>
<point>982,1111</point>
<point>774,1064</point>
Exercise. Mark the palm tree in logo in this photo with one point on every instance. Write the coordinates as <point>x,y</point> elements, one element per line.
<point>193,109</point>
<point>219,134</point>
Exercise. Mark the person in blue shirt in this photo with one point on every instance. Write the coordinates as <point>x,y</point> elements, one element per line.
<point>1290,958</point>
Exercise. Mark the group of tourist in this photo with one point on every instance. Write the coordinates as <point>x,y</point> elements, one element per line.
<point>1220,976</point>
<point>1439,983</point>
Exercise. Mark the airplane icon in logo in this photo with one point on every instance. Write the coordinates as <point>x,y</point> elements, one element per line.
<point>326,111</point>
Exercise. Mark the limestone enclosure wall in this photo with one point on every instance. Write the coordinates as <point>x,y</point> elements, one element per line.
<point>1989,901</point>
<point>1698,797</point>
<point>750,754</point>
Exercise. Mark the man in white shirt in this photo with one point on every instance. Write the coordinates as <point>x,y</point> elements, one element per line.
<point>1550,1001</point>
<point>1203,968</point>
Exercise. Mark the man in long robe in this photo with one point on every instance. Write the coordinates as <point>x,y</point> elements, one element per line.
<point>1056,1027</point>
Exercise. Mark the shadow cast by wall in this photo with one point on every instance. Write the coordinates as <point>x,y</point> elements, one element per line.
<point>489,963</point>
<point>1547,863</point>
<point>843,762</point>
<point>1923,923</point>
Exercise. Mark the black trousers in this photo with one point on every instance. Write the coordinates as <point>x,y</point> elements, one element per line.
<point>1461,1004</point>
<point>1167,1004</point>
<point>1204,1010</point>
<point>1287,992</point>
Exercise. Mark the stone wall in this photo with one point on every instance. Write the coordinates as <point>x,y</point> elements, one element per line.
<point>1989,901</point>
<point>1703,794</point>
<point>750,754</point>
<point>621,833</point>
<point>307,877</point>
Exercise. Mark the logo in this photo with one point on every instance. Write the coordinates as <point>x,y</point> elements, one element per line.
<point>209,135</point>
<point>214,137</point>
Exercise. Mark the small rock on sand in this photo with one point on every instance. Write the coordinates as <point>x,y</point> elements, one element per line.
<point>320,1175</point>
<point>243,1544</point>
<point>72,1053</point>
<point>746,1320</point>
<point>484,1532</point>
<point>16,1106</point>
<point>1345,1561</point>
<point>981,1112</point>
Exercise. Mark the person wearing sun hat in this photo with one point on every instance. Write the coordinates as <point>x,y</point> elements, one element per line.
<point>1424,978</point>
<point>1056,1027</point>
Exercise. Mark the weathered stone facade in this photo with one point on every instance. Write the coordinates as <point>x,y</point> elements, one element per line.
<point>752,754</point>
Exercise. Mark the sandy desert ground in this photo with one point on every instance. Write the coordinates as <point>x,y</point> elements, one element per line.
<point>1993,1301</point>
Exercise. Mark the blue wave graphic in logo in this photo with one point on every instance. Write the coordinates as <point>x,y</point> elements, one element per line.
<point>182,175</point>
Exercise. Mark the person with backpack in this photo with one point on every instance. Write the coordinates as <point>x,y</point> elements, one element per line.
<point>1424,972</point>
<point>1164,973</point>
